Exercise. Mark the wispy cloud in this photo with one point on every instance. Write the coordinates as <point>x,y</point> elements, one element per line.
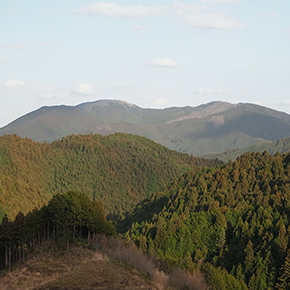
<point>13,46</point>
<point>115,10</point>
<point>84,89</point>
<point>195,15</point>
<point>163,62</point>
<point>48,91</point>
<point>221,1</point>
<point>160,102</point>
<point>282,103</point>
<point>211,91</point>
<point>10,84</point>
<point>199,16</point>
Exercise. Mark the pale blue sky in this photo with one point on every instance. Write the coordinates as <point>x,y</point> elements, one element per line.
<point>154,54</point>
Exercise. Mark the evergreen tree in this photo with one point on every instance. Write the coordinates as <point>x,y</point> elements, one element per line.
<point>284,277</point>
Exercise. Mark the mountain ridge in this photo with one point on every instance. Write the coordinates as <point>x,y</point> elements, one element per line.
<point>210,128</point>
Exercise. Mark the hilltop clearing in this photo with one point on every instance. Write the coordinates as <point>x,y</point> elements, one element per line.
<point>79,268</point>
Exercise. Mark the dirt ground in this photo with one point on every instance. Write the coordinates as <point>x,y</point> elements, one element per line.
<point>79,269</point>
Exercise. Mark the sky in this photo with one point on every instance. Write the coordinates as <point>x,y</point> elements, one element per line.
<point>154,54</point>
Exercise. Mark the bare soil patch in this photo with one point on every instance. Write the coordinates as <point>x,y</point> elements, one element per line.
<point>78,269</point>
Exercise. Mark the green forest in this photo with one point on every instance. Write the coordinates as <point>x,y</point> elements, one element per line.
<point>230,221</point>
<point>66,217</point>
<point>118,169</point>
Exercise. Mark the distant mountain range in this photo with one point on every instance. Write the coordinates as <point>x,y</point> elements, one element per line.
<point>212,128</point>
<point>281,145</point>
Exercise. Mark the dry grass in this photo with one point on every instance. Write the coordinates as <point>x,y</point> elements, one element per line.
<point>98,275</point>
<point>129,253</point>
<point>84,269</point>
<point>80,269</point>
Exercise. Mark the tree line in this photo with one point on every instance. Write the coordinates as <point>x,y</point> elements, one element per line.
<point>65,218</point>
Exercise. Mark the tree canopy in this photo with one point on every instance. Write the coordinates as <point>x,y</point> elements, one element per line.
<point>118,169</point>
<point>234,218</point>
<point>65,218</point>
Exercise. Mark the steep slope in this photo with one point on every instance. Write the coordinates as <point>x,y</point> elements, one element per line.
<point>51,123</point>
<point>118,169</point>
<point>236,127</point>
<point>211,128</point>
<point>231,219</point>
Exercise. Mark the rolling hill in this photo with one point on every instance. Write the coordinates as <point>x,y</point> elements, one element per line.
<point>211,128</point>
<point>118,169</point>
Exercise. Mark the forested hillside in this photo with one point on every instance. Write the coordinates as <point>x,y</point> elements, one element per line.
<point>232,222</point>
<point>66,217</point>
<point>39,249</point>
<point>119,170</point>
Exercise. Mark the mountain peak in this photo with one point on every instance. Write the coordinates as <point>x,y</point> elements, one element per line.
<point>103,103</point>
<point>206,110</point>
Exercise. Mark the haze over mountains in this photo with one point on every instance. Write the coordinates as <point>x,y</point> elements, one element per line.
<point>212,128</point>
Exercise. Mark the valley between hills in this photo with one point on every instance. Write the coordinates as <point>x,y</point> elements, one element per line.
<point>157,215</point>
